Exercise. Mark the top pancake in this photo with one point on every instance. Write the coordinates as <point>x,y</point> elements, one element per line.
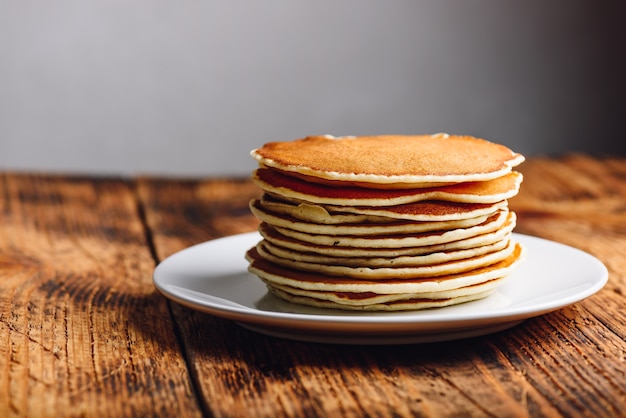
<point>391,160</point>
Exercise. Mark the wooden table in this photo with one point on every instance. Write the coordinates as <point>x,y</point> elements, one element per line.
<point>83,332</point>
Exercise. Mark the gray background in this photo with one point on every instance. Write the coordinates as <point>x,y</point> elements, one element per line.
<point>190,87</point>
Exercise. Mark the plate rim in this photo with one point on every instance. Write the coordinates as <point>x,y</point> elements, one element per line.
<point>241,313</point>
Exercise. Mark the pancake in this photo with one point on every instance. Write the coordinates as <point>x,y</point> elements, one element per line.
<point>299,279</point>
<point>386,273</point>
<point>316,214</point>
<point>401,305</point>
<point>395,261</point>
<point>392,160</point>
<point>492,223</point>
<point>388,302</point>
<point>427,211</point>
<point>491,191</point>
<point>389,307</point>
<point>270,234</point>
<point>357,228</point>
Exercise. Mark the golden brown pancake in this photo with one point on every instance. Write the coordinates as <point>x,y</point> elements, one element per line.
<point>384,302</point>
<point>490,191</point>
<point>395,272</point>
<point>379,261</point>
<point>398,160</point>
<point>358,228</point>
<point>309,212</point>
<point>281,275</point>
<point>493,223</point>
<point>429,210</point>
<point>272,235</point>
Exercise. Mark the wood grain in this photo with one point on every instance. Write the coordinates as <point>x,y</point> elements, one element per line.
<point>80,322</point>
<point>83,331</point>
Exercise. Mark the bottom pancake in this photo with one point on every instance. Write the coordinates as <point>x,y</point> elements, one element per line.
<point>361,300</point>
<point>402,305</point>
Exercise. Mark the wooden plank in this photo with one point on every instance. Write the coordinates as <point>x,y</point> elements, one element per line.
<point>579,200</point>
<point>180,213</point>
<point>565,363</point>
<point>82,330</point>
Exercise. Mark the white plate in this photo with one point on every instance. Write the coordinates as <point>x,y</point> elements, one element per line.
<point>212,277</point>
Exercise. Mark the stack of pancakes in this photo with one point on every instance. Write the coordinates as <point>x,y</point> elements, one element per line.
<point>385,223</point>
